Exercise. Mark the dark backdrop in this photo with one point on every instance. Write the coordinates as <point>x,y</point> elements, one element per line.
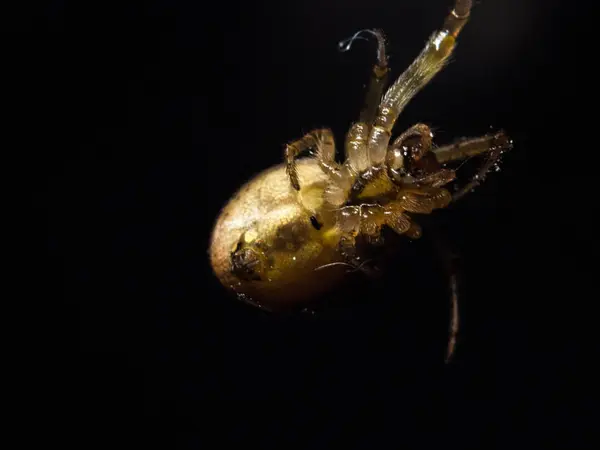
<point>157,111</point>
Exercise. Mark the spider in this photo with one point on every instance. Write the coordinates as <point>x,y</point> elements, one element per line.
<point>289,234</point>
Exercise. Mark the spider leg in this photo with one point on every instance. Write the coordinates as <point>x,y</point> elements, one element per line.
<point>493,144</point>
<point>356,142</point>
<point>322,140</point>
<point>454,317</point>
<point>467,147</point>
<point>423,199</point>
<point>378,81</point>
<point>367,219</point>
<point>396,157</point>
<point>449,262</point>
<point>398,153</point>
<point>357,159</point>
<point>430,61</point>
<point>420,130</point>
<point>404,156</point>
<point>357,156</point>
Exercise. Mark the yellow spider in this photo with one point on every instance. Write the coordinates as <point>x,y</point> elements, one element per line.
<point>307,214</point>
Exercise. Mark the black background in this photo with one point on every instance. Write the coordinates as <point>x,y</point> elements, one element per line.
<point>153,113</point>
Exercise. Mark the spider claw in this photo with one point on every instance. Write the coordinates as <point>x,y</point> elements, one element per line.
<point>345,44</point>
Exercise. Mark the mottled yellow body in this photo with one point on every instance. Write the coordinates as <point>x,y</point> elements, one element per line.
<point>273,221</point>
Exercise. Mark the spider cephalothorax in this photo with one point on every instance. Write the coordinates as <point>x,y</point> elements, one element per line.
<point>307,213</point>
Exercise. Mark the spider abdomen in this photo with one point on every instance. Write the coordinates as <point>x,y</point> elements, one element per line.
<point>269,239</point>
